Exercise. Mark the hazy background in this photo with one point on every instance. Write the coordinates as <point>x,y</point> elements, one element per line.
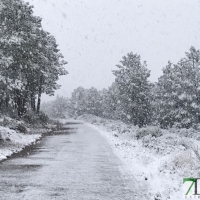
<point>93,35</point>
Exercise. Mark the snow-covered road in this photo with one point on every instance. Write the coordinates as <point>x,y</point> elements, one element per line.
<point>72,166</point>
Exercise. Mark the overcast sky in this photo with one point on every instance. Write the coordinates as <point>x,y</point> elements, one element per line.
<point>93,35</point>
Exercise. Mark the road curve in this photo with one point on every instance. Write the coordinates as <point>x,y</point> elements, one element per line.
<point>76,165</point>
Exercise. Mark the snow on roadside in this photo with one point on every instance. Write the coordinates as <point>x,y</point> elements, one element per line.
<point>12,141</point>
<point>158,163</point>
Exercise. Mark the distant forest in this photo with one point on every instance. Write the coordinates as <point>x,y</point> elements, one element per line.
<point>173,101</point>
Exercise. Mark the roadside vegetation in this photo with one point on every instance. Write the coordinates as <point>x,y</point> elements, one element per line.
<point>152,127</point>
<point>30,61</point>
<point>30,65</point>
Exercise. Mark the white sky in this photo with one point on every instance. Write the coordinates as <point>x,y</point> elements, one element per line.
<point>93,35</point>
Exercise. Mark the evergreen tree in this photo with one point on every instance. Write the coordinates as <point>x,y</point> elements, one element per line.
<point>179,92</point>
<point>111,102</point>
<point>134,89</point>
<point>77,102</point>
<point>30,60</point>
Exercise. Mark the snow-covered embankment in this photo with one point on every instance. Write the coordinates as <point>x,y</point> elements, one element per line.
<point>15,136</point>
<point>12,141</point>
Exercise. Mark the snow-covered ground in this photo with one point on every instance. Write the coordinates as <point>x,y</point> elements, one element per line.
<point>13,140</point>
<point>158,162</point>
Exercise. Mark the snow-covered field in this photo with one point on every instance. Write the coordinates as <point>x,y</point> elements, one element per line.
<point>158,161</point>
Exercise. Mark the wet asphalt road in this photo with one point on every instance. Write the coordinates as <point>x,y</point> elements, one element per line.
<point>76,165</point>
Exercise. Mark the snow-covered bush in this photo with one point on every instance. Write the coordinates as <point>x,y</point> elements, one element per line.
<point>5,134</point>
<point>43,118</point>
<point>149,130</point>
<point>184,161</point>
<point>102,120</point>
<point>189,133</point>
<point>33,118</point>
<point>124,129</point>
<point>30,117</point>
<point>21,128</point>
<point>14,124</point>
<point>94,121</point>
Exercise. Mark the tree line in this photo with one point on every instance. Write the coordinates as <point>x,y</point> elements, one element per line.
<point>30,61</point>
<point>173,101</point>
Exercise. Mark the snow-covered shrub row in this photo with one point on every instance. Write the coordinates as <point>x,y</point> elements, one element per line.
<point>190,133</point>
<point>33,118</point>
<point>118,126</point>
<point>15,124</point>
<point>154,131</point>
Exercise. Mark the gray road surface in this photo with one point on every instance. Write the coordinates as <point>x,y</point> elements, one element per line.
<point>78,165</point>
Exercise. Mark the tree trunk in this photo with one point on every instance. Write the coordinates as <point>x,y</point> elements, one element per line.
<point>20,102</point>
<point>32,102</point>
<point>39,101</point>
<point>7,101</point>
<point>19,106</point>
<point>39,95</point>
<point>7,98</point>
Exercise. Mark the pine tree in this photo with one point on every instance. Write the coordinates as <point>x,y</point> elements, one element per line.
<point>77,102</point>
<point>111,102</point>
<point>134,88</point>
<point>179,92</point>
